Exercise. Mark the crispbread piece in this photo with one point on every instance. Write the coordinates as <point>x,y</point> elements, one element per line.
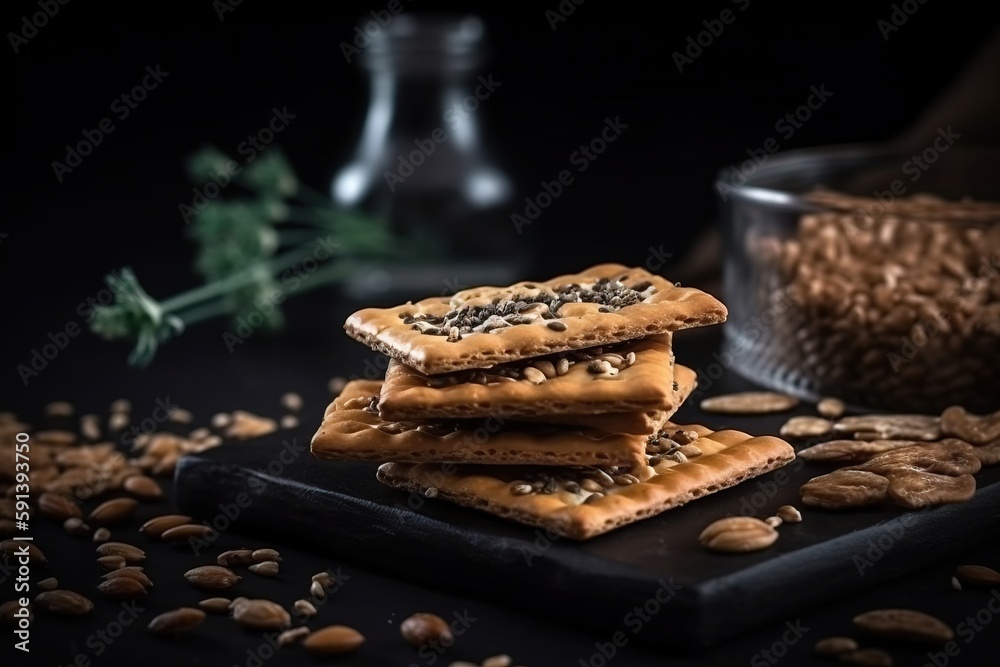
<point>352,430</point>
<point>486,326</point>
<point>728,458</point>
<point>644,385</point>
<point>642,423</point>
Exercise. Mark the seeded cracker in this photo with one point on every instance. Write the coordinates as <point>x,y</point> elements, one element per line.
<point>581,504</point>
<point>561,388</point>
<point>353,430</point>
<point>485,326</point>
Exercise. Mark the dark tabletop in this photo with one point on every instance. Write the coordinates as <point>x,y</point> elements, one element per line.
<point>196,376</point>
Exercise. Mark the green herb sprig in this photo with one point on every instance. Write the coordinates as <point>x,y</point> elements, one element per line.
<point>244,244</point>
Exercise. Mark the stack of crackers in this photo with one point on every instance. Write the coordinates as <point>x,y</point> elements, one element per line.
<point>548,403</point>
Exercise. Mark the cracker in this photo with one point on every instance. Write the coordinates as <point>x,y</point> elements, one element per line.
<point>418,335</point>
<point>352,430</point>
<point>642,423</point>
<point>506,391</point>
<point>728,458</point>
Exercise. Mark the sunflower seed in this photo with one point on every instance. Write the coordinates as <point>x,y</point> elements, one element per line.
<point>304,608</point>
<point>831,408</point>
<point>904,625</point>
<point>289,421</point>
<point>177,621</point>
<point>773,521</point>
<point>130,553</point>
<point>562,366</point>
<point>215,605</point>
<point>212,577</point>
<point>292,636</point>
<point>129,572</point>
<point>118,421</point>
<point>111,562</point>
<point>835,645</point>
<point>789,514</point>
<point>336,385</point>
<point>261,615</point>
<point>122,588</point>
<point>58,506</point>
<point>221,420</point>
<point>324,579</point>
<point>317,591</point>
<point>333,640</point>
<point>521,489</point>
<point>533,375</point>
<point>261,555</point>
<point>59,409</point>
<point>235,558</point>
<point>267,568</point>
<point>63,602</point>
<point>121,405</point>
<point>143,488</point>
<point>113,511</point>
<point>185,532</point>
<point>76,526</point>
<point>49,584</point>
<point>102,535</point>
<point>749,403</point>
<point>956,584</point>
<point>156,526</point>
<point>556,325</point>
<point>13,547</point>
<point>977,575</point>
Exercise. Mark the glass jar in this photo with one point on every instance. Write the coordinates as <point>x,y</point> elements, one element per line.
<point>868,275</point>
<point>422,164</point>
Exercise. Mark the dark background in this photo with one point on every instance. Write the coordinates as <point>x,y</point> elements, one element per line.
<point>652,188</point>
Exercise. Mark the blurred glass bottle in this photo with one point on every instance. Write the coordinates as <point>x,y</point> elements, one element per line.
<point>421,162</point>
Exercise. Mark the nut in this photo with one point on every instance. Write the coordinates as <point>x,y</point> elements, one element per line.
<point>130,553</point>
<point>212,577</point>
<point>122,588</point>
<point>63,602</point>
<point>749,403</point>
<point>917,489</point>
<point>892,427</point>
<point>844,488</point>
<point>867,657</point>
<point>156,526</point>
<point>267,568</point>
<point>947,457</point>
<point>852,451</point>
<point>905,625</point>
<point>831,408</point>
<point>333,640</point>
<point>738,534</point>
<point>113,511</point>
<point>805,427</point>
<point>58,506</point>
<point>143,488</point>
<point>129,572</point>
<point>261,615</point>
<point>975,429</point>
<point>177,621</point>
<point>185,532</point>
<point>423,628</point>
<point>977,575</point>
<point>835,645</point>
<point>235,558</point>
<point>215,605</point>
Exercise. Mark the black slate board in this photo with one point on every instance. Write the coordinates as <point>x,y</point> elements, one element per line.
<point>614,583</point>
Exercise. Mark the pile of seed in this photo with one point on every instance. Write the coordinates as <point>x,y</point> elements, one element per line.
<point>601,362</point>
<point>899,311</point>
<point>610,294</point>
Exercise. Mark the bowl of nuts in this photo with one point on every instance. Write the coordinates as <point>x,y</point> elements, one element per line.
<point>867,274</point>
